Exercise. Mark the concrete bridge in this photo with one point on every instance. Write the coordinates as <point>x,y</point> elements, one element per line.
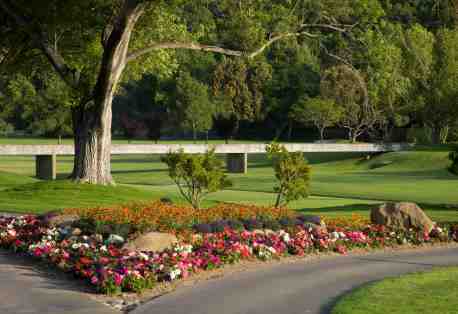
<point>237,154</point>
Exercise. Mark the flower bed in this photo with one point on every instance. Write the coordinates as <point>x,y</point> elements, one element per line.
<point>165,217</point>
<point>112,270</point>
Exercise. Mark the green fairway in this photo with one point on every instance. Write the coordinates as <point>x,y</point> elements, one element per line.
<point>345,182</point>
<point>433,292</point>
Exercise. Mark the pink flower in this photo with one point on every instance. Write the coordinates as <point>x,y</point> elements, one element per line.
<point>94,280</point>
<point>118,279</point>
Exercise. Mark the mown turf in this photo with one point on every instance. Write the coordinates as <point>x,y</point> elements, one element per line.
<point>44,196</point>
<point>346,182</point>
<point>422,293</point>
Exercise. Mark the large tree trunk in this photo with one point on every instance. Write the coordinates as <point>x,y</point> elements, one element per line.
<point>92,141</point>
<point>92,120</point>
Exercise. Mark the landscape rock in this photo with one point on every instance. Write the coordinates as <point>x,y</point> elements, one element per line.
<point>401,216</point>
<point>54,220</point>
<point>152,241</point>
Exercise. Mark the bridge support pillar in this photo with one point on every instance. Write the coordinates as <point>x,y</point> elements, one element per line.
<point>237,163</point>
<point>45,166</point>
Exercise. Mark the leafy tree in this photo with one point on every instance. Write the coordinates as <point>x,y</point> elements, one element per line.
<point>292,172</point>
<point>388,86</point>
<point>139,109</point>
<point>196,175</point>
<point>347,87</point>
<point>89,43</point>
<point>43,105</point>
<point>322,113</point>
<point>295,76</point>
<point>239,86</point>
<point>193,106</point>
<point>442,112</point>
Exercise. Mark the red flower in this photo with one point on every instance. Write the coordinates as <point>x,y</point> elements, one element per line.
<point>86,261</point>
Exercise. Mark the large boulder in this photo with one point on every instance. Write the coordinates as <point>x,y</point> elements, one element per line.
<point>152,241</point>
<point>60,220</point>
<point>401,216</point>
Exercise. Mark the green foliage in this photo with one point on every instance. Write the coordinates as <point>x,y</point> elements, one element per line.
<point>43,105</point>
<point>453,156</point>
<point>194,109</point>
<point>322,113</point>
<point>241,86</point>
<point>139,110</point>
<point>196,175</point>
<point>292,172</point>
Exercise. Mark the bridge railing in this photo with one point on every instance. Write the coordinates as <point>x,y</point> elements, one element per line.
<point>237,154</point>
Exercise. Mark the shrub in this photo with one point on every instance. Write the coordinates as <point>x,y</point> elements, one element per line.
<point>196,175</point>
<point>454,159</point>
<point>292,172</point>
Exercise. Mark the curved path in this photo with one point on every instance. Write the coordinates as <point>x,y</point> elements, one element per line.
<point>29,289</point>
<point>296,288</point>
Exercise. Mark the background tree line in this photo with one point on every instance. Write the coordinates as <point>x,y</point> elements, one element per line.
<point>367,67</point>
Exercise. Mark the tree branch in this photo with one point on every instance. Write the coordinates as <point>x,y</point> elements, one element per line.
<point>210,48</point>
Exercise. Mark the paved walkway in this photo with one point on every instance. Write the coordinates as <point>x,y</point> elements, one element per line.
<point>28,289</point>
<point>294,288</point>
<point>297,288</point>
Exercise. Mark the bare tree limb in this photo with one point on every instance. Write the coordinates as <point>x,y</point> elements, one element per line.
<point>216,49</point>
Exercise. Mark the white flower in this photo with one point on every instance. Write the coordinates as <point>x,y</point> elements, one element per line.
<point>174,273</point>
<point>285,236</point>
<point>143,256</point>
<point>103,248</point>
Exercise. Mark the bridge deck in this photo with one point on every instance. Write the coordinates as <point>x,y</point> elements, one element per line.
<point>130,149</point>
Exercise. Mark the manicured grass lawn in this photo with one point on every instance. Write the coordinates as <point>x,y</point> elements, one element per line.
<point>44,196</point>
<point>432,292</point>
<point>346,182</point>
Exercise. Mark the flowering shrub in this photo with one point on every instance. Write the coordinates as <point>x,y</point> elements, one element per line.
<point>113,270</point>
<point>166,217</point>
<point>354,222</point>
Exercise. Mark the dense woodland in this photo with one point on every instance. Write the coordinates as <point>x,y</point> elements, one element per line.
<point>364,69</point>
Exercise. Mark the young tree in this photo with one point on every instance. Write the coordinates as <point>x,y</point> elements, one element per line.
<point>193,106</point>
<point>292,172</point>
<point>90,42</point>
<point>321,113</point>
<point>196,175</point>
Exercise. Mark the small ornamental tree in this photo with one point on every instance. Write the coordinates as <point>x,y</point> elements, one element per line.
<point>292,172</point>
<point>196,175</point>
<point>454,158</point>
